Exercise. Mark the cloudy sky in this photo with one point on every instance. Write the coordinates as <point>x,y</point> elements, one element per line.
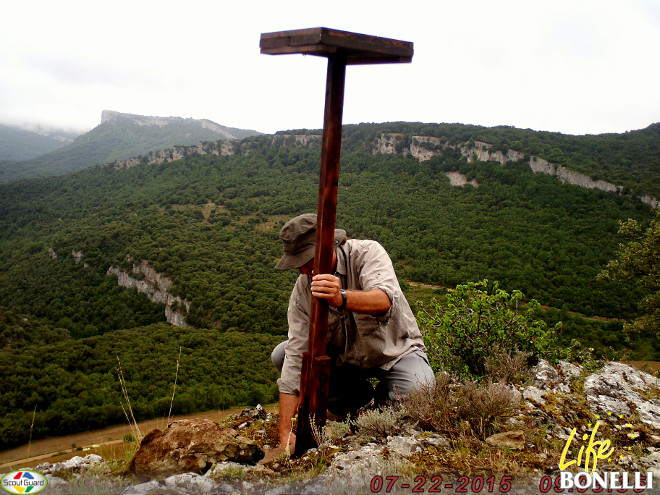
<point>572,66</point>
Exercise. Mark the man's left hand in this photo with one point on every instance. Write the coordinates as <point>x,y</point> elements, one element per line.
<point>328,287</point>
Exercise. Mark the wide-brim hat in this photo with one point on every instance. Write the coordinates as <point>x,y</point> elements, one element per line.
<point>299,238</point>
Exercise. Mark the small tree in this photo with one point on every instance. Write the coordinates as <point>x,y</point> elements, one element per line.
<point>639,261</point>
<point>479,321</point>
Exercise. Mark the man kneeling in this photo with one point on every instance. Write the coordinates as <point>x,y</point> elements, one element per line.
<point>372,332</point>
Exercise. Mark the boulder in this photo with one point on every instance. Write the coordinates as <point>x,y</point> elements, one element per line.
<point>191,446</point>
<point>545,375</point>
<point>191,483</point>
<point>534,394</point>
<point>511,439</point>
<point>618,386</point>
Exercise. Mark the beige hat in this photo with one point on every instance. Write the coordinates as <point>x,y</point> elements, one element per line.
<point>299,238</point>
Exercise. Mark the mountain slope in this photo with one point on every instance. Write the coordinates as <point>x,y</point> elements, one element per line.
<point>630,159</point>
<point>120,136</point>
<point>210,222</point>
<point>20,144</point>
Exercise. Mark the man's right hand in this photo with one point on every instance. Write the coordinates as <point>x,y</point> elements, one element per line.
<point>288,407</point>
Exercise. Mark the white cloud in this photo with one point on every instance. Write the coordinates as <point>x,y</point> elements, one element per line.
<point>576,66</point>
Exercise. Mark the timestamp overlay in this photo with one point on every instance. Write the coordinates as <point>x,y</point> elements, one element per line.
<point>589,463</point>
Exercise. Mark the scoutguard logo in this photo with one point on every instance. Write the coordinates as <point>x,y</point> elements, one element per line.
<point>24,481</point>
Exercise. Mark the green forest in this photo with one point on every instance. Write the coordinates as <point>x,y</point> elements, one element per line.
<point>210,223</point>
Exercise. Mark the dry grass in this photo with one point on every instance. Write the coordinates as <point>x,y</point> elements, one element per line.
<point>382,423</point>
<point>135,428</point>
<point>508,367</point>
<point>458,409</point>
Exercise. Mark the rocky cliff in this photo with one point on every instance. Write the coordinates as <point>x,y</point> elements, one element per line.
<point>148,281</point>
<point>425,147</point>
<point>420,147</point>
<point>221,148</point>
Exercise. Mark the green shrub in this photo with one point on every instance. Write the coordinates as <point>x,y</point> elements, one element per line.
<point>478,320</point>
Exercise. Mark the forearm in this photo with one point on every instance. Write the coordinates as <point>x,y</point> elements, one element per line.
<point>373,302</point>
<point>288,407</point>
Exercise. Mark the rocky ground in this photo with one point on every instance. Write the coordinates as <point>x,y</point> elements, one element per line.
<point>561,407</point>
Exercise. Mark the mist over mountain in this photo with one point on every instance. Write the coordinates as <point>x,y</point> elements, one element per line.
<point>119,136</point>
<point>17,143</point>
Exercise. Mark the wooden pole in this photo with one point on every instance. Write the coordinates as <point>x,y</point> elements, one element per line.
<point>341,48</point>
<point>315,376</point>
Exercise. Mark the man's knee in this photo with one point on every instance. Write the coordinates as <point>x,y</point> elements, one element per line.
<point>277,356</point>
<point>410,373</point>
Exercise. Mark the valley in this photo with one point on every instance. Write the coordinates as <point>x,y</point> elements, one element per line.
<point>206,218</point>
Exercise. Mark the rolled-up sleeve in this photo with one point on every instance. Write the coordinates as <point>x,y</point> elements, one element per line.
<point>298,318</point>
<point>377,272</point>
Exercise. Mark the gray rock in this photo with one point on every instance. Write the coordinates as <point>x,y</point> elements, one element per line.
<point>54,481</point>
<point>618,384</point>
<point>534,394</point>
<point>256,412</point>
<point>404,446</point>
<point>352,471</point>
<point>545,375</point>
<point>437,441</point>
<point>75,464</point>
<point>191,483</point>
<point>144,488</point>
<point>570,370</point>
<point>44,468</point>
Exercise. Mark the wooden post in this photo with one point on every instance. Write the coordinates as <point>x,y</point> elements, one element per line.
<point>341,49</point>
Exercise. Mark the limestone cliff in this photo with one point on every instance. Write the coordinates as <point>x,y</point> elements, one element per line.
<point>155,286</point>
<point>425,147</point>
<point>218,148</point>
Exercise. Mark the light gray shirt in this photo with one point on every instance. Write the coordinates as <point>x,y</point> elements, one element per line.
<point>357,339</point>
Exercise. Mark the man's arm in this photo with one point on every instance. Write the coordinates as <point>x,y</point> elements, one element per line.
<point>288,406</point>
<point>371,302</point>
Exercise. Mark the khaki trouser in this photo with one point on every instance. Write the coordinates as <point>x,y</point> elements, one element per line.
<point>350,388</point>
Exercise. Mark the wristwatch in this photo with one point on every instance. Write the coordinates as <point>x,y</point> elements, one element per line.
<point>344,299</point>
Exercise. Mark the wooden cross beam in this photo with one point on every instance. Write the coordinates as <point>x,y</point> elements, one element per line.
<point>341,48</point>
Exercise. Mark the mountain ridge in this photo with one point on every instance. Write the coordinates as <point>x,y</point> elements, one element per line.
<point>421,148</point>
<point>120,136</point>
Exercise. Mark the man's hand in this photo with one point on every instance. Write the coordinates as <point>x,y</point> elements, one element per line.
<point>288,407</point>
<point>272,454</point>
<point>328,287</point>
<point>372,302</point>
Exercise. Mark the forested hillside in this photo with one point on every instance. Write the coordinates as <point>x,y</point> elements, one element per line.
<point>210,223</point>
<point>119,136</point>
<point>631,159</point>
